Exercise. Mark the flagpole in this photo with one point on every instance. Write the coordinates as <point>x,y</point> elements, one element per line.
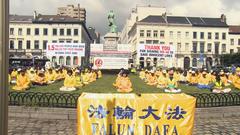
<point>4,31</point>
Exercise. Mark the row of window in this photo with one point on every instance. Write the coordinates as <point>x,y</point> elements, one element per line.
<point>194,46</point>
<point>161,34</point>
<point>45,31</point>
<point>232,42</point>
<point>35,44</point>
<point>67,62</point>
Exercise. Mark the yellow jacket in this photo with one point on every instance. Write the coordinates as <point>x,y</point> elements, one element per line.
<point>162,80</point>
<point>14,74</point>
<point>22,81</point>
<point>236,82</point>
<point>142,74</point>
<point>50,77</point>
<point>124,83</point>
<point>172,82</point>
<point>40,79</point>
<point>99,74</point>
<point>70,81</point>
<point>204,81</point>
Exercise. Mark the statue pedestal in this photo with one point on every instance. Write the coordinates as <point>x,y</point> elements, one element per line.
<point>111,42</point>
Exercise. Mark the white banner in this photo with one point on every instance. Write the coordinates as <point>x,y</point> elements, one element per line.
<point>110,63</point>
<point>155,51</point>
<point>121,48</point>
<point>66,49</point>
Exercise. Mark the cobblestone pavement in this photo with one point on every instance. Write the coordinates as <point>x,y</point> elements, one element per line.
<point>19,126</point>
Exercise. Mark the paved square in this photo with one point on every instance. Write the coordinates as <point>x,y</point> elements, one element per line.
<point>20,126</point>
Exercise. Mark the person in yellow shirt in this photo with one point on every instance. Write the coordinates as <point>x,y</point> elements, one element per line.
<point>183,77</point>
<point>219,86</point>
<point>224,79</point>
<point>85,77</point>
<point>23,82</point>
<point>152,79</point>
<point>79,82</point>
<point>32,74</point>
<point>40,79</point>
<point>99,73</point>
<point>14,75</point>
<point>50,76</point>
<point>193,78</point>
<point>93,76</point>
<point>236,82</point>
<point>162,80</point>
<point>69,82</point>
<point>204,81</point>
<point>119,77</point>
<point>142,74</point>
<point>124,83</point>
<point>172,83</point>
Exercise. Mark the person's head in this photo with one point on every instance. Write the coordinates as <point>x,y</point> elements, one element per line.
<point>41,73</point>
<point>193,73</point>
<point>22,72</point>
<point>50,70</point>
<point>69,72</point>
<point>204,74</point>
<point>218,78</point>
<point>164,73</point>
<point>238,71</point>
<point>77,72</point>
<point>125,73</point>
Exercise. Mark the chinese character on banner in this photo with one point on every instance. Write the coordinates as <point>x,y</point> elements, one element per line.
<point>150,111</point>
<point>121,113</point>
<point>98,112</point>
<point>176,113</point>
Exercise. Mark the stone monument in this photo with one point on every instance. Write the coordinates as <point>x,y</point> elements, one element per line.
<point>111,38</point>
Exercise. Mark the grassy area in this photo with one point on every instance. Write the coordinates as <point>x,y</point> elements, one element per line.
<point>104,85</point>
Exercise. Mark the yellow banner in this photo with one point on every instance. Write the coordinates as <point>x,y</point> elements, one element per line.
<point>130,114</point>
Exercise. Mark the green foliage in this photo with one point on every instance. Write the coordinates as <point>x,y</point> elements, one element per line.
<point>229,59</point>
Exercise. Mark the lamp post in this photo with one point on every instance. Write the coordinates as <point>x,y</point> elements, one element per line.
<point>4,30</point>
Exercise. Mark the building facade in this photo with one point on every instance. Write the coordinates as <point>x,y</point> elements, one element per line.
<point>198,41</point>
<point>73,11</point>
<point>234,39</point>
<point>29,35</point>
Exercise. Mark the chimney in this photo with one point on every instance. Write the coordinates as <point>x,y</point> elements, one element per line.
<point>35,14</point>
<point>223,18</point>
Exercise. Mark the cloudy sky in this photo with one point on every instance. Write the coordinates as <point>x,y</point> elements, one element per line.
<point>97,9</point>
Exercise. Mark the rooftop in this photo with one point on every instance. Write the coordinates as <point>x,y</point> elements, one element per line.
<point>194,21</point>
<point>234,29</point>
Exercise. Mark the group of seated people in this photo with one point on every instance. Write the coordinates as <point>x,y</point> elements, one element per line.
<point>217,81</point>
<point>74,78</point>
<point>123,82</point>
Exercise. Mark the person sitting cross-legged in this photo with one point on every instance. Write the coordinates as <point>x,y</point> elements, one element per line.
<point>152,80</point>
<point>23,82</point>
<point>172,83</point>
<point>236,82</point>
<point>40,79</point>
<point>162,80</point>
<point>219,86</point>
<point>204,81</point>
<point>124,83</point>
<point>69,82</point>
<point>79,82</point>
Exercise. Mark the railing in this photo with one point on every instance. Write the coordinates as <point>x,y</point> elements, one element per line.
<point>65,100</point>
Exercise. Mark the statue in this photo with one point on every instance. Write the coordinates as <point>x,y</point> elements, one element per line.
<point>111,22</point>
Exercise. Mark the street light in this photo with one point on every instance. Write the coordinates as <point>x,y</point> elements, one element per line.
<point>4,30</point>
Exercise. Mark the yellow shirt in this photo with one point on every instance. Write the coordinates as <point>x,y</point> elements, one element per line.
<point>142,74</point>
<point>22,81</point>
<point>99,74</point>
<point>70,81</point>
<point>14,74</point>
<point>50,77</point>
<point>204,81</point>
<point>236,82</point>
<point>162,80</point>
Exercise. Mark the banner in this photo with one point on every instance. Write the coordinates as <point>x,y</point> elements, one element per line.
<point>129,114</point>
<point>155,51</point>
<point>66,49</point>
<point>110,63</point>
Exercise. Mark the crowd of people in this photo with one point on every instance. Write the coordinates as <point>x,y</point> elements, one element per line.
<point>216,81</point>
<point>74,78</point>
